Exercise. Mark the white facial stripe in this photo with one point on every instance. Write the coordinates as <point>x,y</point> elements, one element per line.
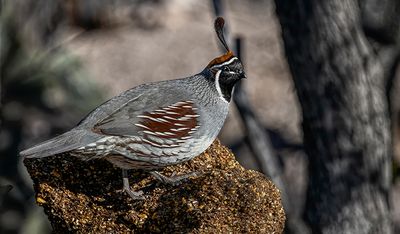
<point>225,63</point>
<point>217,86</point>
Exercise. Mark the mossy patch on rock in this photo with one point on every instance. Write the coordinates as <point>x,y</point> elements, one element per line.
<point>86,197</point>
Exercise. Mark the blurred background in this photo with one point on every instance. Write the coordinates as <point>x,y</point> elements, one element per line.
<point>62,58</point>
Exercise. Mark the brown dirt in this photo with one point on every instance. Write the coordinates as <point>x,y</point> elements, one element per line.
<point>84,197</point>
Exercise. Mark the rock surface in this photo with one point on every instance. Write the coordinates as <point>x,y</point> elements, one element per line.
<point>86,197</point>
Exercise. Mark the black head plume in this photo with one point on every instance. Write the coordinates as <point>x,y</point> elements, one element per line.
<point>219,29</point>
<point>226,69</point>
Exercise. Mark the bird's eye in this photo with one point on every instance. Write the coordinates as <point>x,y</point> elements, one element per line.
<point>226,68</point>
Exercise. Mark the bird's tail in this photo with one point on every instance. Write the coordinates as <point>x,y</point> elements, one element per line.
<point>60,144</point>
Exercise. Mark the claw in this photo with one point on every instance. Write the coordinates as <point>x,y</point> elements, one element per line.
<point>134,195</point>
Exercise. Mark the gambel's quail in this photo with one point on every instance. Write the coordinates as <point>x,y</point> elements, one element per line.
<point>154,125</point>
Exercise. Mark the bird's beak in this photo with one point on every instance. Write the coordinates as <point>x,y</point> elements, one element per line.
<point>243,76</point>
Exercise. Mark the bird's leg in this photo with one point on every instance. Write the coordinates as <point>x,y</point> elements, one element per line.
<point>134,195</point>
<point>172,180</point>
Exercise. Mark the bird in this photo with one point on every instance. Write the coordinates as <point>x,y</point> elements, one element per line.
<point>157,124</point>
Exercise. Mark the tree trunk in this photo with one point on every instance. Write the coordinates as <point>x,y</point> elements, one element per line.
<point>341,88</point>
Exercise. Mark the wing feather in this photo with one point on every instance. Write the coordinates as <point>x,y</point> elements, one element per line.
<point>173,121</point>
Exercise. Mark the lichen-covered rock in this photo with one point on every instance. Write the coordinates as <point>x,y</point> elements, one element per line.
<point>86,197</point>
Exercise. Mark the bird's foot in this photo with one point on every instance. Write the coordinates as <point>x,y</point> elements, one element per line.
<point>138,195</point>
<point>173,180</point>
